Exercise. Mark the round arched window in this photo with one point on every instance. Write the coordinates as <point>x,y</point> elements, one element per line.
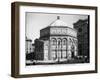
<point>64,41</point>
<point>54,41</point>
<point>70,40</point>
<point>59,42</point>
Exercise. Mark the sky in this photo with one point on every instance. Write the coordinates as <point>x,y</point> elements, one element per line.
<point>37,21</point>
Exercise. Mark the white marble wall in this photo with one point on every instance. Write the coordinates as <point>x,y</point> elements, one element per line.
<point>63,31</point>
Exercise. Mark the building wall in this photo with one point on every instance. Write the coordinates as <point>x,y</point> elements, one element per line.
<point>63,31</point>
<point>59,42</point>
<point>82,27</point>
<point>46,50</point>
<point>29,47</point>
<point>44,32</point>
<point>39,50</point>
<point>61,47</point>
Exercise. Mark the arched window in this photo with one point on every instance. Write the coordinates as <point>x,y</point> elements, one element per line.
<point>54,41</point>
<point>69,39</point>
<point>64,42</point>
<point>73,41</point>
<point>59,41</point>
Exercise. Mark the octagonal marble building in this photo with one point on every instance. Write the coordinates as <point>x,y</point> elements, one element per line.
<point>57,42</point>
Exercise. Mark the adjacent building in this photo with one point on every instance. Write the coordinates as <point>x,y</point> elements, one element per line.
<point>29,46</point>
<point>39,51</point>
<point>29,50</point>
<point>82,27</point>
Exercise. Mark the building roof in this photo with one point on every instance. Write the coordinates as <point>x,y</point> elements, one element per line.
<point>58,22</point>
<point>81,21</point>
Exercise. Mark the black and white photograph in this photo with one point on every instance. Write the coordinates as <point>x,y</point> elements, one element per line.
<point>52,39</point>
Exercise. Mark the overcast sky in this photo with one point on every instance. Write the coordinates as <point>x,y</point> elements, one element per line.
<point>37,21</point>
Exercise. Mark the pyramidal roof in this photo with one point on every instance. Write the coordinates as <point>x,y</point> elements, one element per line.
<point>58,22</point>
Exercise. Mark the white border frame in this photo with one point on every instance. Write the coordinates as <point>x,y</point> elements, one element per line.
<point>55,68</point>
